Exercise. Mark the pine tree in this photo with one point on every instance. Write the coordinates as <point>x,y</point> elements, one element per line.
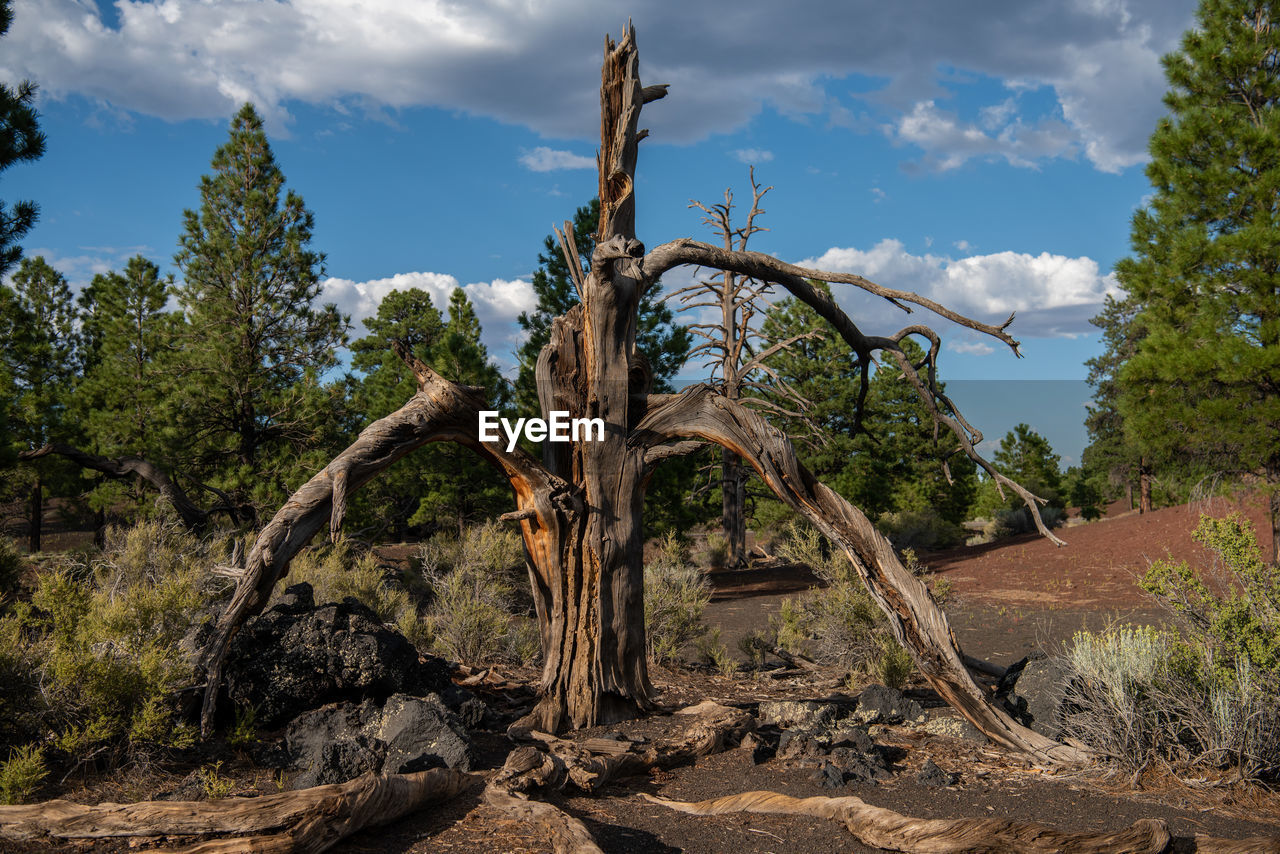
<point>40,354</point>
<point>663,342</point>
<point>256,346</point>
<point>20,141</point>
<point>894,463</point>
<point>1205,275</point>
<point>124,402</point>
<point>435,485</point>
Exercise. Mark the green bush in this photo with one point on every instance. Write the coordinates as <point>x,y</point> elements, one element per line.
<point>22,774</point>
<point>840,624</point>
<point>102,635</point>
<point>675,595</point>
<point>1241,624</point>
<point>12,567</point>
<point>920,529</point>
<point>341,569</point>
<point>1208,697</point>
<point>473,617</point>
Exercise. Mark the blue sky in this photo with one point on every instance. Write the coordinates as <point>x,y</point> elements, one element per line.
<point>988,154</point>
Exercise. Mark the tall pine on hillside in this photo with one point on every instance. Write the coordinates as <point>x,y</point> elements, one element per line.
<point>1205,276</point>
<point>256,346</point>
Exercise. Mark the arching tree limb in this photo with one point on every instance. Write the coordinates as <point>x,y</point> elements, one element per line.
<point>797,280</point>
<point>916,621</point>
<point>440,411</point>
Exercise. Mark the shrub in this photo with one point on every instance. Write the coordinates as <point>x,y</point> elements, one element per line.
<point>920,529</point>
<point>715,652</point>
<point>1242,624</point>
<point>841,624</point>
<point>102,635</point>
<point>472,581</point>
<point>341,569</point>
<point>675,595</point>
<point>1209,698</point>
<point>717,550</point>
<point>12,567</point>
<point>22,774</point>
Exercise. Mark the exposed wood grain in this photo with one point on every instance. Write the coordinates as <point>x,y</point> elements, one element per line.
<point>884,828</point>
<point>303,822</point>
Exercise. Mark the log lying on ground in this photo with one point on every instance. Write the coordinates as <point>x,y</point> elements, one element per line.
<point>558,763</point>
<point>566,834</point>
<point>883,828</point>
<point>301,822</point>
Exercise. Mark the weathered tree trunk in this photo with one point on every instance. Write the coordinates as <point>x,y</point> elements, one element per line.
<point>733,485</point>
<point>1144,486</point>
<point>37,515</point>
<point>580,513</point>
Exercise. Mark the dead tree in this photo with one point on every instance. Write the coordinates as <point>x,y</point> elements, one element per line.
<point>729,346</point>
<point>580,508</point>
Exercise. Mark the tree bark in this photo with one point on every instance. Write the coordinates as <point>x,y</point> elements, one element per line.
<point>883,828</point>
<point>1144,486</point>
<point>300,822</point>
<point>37,515</point>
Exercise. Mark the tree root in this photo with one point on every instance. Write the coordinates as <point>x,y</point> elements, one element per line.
<point>883,828</point>
<point>301,822</point>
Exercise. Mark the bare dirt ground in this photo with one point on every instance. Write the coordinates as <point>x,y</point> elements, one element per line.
<point>1007,599</point>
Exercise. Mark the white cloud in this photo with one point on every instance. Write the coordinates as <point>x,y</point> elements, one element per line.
<point>1053,295</point>
<point>80,269</point>
<point>543,159</point>
<point>949,142</point>
<point>962,245</point>
<point>497,303</point>
<point>973,348</point>
<point>752,155</point>
<point>536,64</point>
<point>877,195</point>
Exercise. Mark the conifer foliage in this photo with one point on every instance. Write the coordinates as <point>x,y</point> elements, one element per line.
<point>1205,274</point>
<point>255,344</point>
<point>20,141</point>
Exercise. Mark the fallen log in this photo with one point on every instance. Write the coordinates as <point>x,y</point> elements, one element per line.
<point>301,822</point>
<point>884,828</point>
<point>566,834</point>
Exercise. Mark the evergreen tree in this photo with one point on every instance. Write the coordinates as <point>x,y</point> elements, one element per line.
<point>439,484</point>
<point>895,464</point>
<point>40,354</point>
<point>665,343</point>
<point>20,141</point>
<point>1027,458</point>
<point>1205,275</point>
<point>255,347</point>
<point>123,403</point>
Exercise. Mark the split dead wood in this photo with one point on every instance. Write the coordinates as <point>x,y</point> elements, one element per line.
<point>884,828</point>
<point>589,765</point>
<point>301,822</point>
<point>567,834</point>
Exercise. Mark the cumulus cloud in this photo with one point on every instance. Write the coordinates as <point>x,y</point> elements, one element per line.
<point>543,159</point>
<point>497,303</point>
<point>534,64</point>
<point>949,142</point>
<point>752,155</point>
<point>1053,295</point>
<point>973,348</point>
